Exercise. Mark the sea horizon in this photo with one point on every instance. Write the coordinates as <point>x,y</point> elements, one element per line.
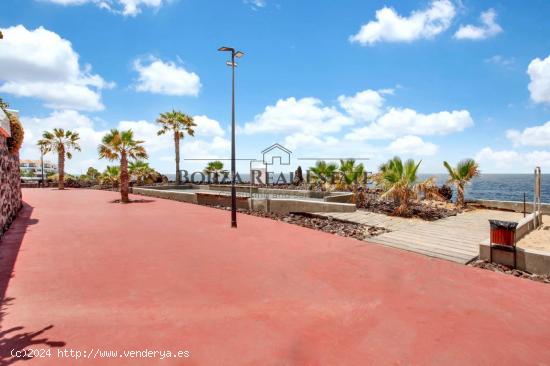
<point>490,186</point>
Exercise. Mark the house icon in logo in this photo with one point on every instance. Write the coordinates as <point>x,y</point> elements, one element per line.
<point>276,152</point>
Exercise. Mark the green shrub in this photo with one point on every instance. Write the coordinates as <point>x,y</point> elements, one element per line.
<point>17,134</point>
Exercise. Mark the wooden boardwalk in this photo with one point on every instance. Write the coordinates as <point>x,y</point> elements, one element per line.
<point>455,238</point>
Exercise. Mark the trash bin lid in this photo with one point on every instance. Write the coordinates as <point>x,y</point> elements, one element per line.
<point>499,224</point>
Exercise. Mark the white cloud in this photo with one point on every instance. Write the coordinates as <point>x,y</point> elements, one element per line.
<point>306,115</point>
<point>90,137</point>
<point>499,158</point>
<point>420,24</point>
<point>363,106</point>
<point>40,64</point>
<point>511,160</point>
<point>531,136</point>
<point>166,78</point>
<point>297,140</point>
<point>538,158</point>
<point>196,148</point>
<point>539,73</point>
<point>507,62</point>
<point>255,4</point>
<point>147,131</point>
<point>489,27</point>
<point>208,141</point>
<point>207,127</point>
<point>412,145</point>
<point>314,129</point>
<point>124,7</point>
<point>398,122</point>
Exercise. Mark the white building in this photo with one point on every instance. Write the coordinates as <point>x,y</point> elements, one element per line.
<point>30,168</point>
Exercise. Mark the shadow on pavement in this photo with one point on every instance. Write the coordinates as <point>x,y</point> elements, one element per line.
<point>13,339</point>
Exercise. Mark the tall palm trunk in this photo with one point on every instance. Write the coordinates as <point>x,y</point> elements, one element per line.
<point>61,166</point>
<point>460,195</point>
<point>177,144</point>
<point>124,178</point>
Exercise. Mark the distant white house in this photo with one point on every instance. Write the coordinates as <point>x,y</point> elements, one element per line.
<point>32,169</point>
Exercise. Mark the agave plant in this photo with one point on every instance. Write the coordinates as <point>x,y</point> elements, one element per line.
<point>214,168</point>
<point>60,141</point>
<point>399,181</point>
<point>323,174</point>
<point>460,175</point>
<point>120,145</point>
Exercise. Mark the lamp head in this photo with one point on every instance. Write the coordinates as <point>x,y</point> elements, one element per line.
<point>226,49</point>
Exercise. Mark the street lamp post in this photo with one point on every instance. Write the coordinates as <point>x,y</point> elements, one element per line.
<point>42,165</point>
<point>232,64</point>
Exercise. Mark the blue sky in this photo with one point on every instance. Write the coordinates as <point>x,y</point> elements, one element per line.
<point>432,80</point>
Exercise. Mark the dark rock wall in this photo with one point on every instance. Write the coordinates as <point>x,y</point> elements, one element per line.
<point>10,186</point>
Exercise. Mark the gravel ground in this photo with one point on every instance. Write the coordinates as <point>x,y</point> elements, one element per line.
<point>425,210</point>
<point>509,271</point>
<point>328,225</point>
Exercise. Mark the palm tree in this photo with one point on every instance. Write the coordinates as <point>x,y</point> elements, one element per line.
<point>92,173</point>
<point>215,168</point>
<point>111,175</point>
<point>60,141</point>
<point>120,145</point>
<point>460,175</point>
<point>351,175</point>
<point>179,123</point>
<point>142,171</point>
<point>399,181</point>
<point>323,173</point>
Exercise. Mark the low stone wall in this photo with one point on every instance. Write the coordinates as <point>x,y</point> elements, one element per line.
<point>296,205</point>
<point>528,260</point>
<point>227,188</point>
<point>182,196</point>
<point>212,199</point>
<point>10,186</point>
<point>342,197</point>
<point>292,193</point>
<point>510,205</point>
<point>167,186</point>
<point>527,224</point>
<point>277,205</point>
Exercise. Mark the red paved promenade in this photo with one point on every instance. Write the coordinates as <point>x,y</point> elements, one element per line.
<point>88,274</point>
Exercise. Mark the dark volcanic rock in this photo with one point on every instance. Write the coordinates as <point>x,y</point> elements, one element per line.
<point>509,271</point>
<point>326,224</point>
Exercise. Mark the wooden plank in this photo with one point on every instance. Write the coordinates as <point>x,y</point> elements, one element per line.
<point>431,246</point>
<point>438,241</point>
<point>447,256</point>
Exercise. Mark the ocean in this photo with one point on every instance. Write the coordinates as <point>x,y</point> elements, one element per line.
<point>502,187</point>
